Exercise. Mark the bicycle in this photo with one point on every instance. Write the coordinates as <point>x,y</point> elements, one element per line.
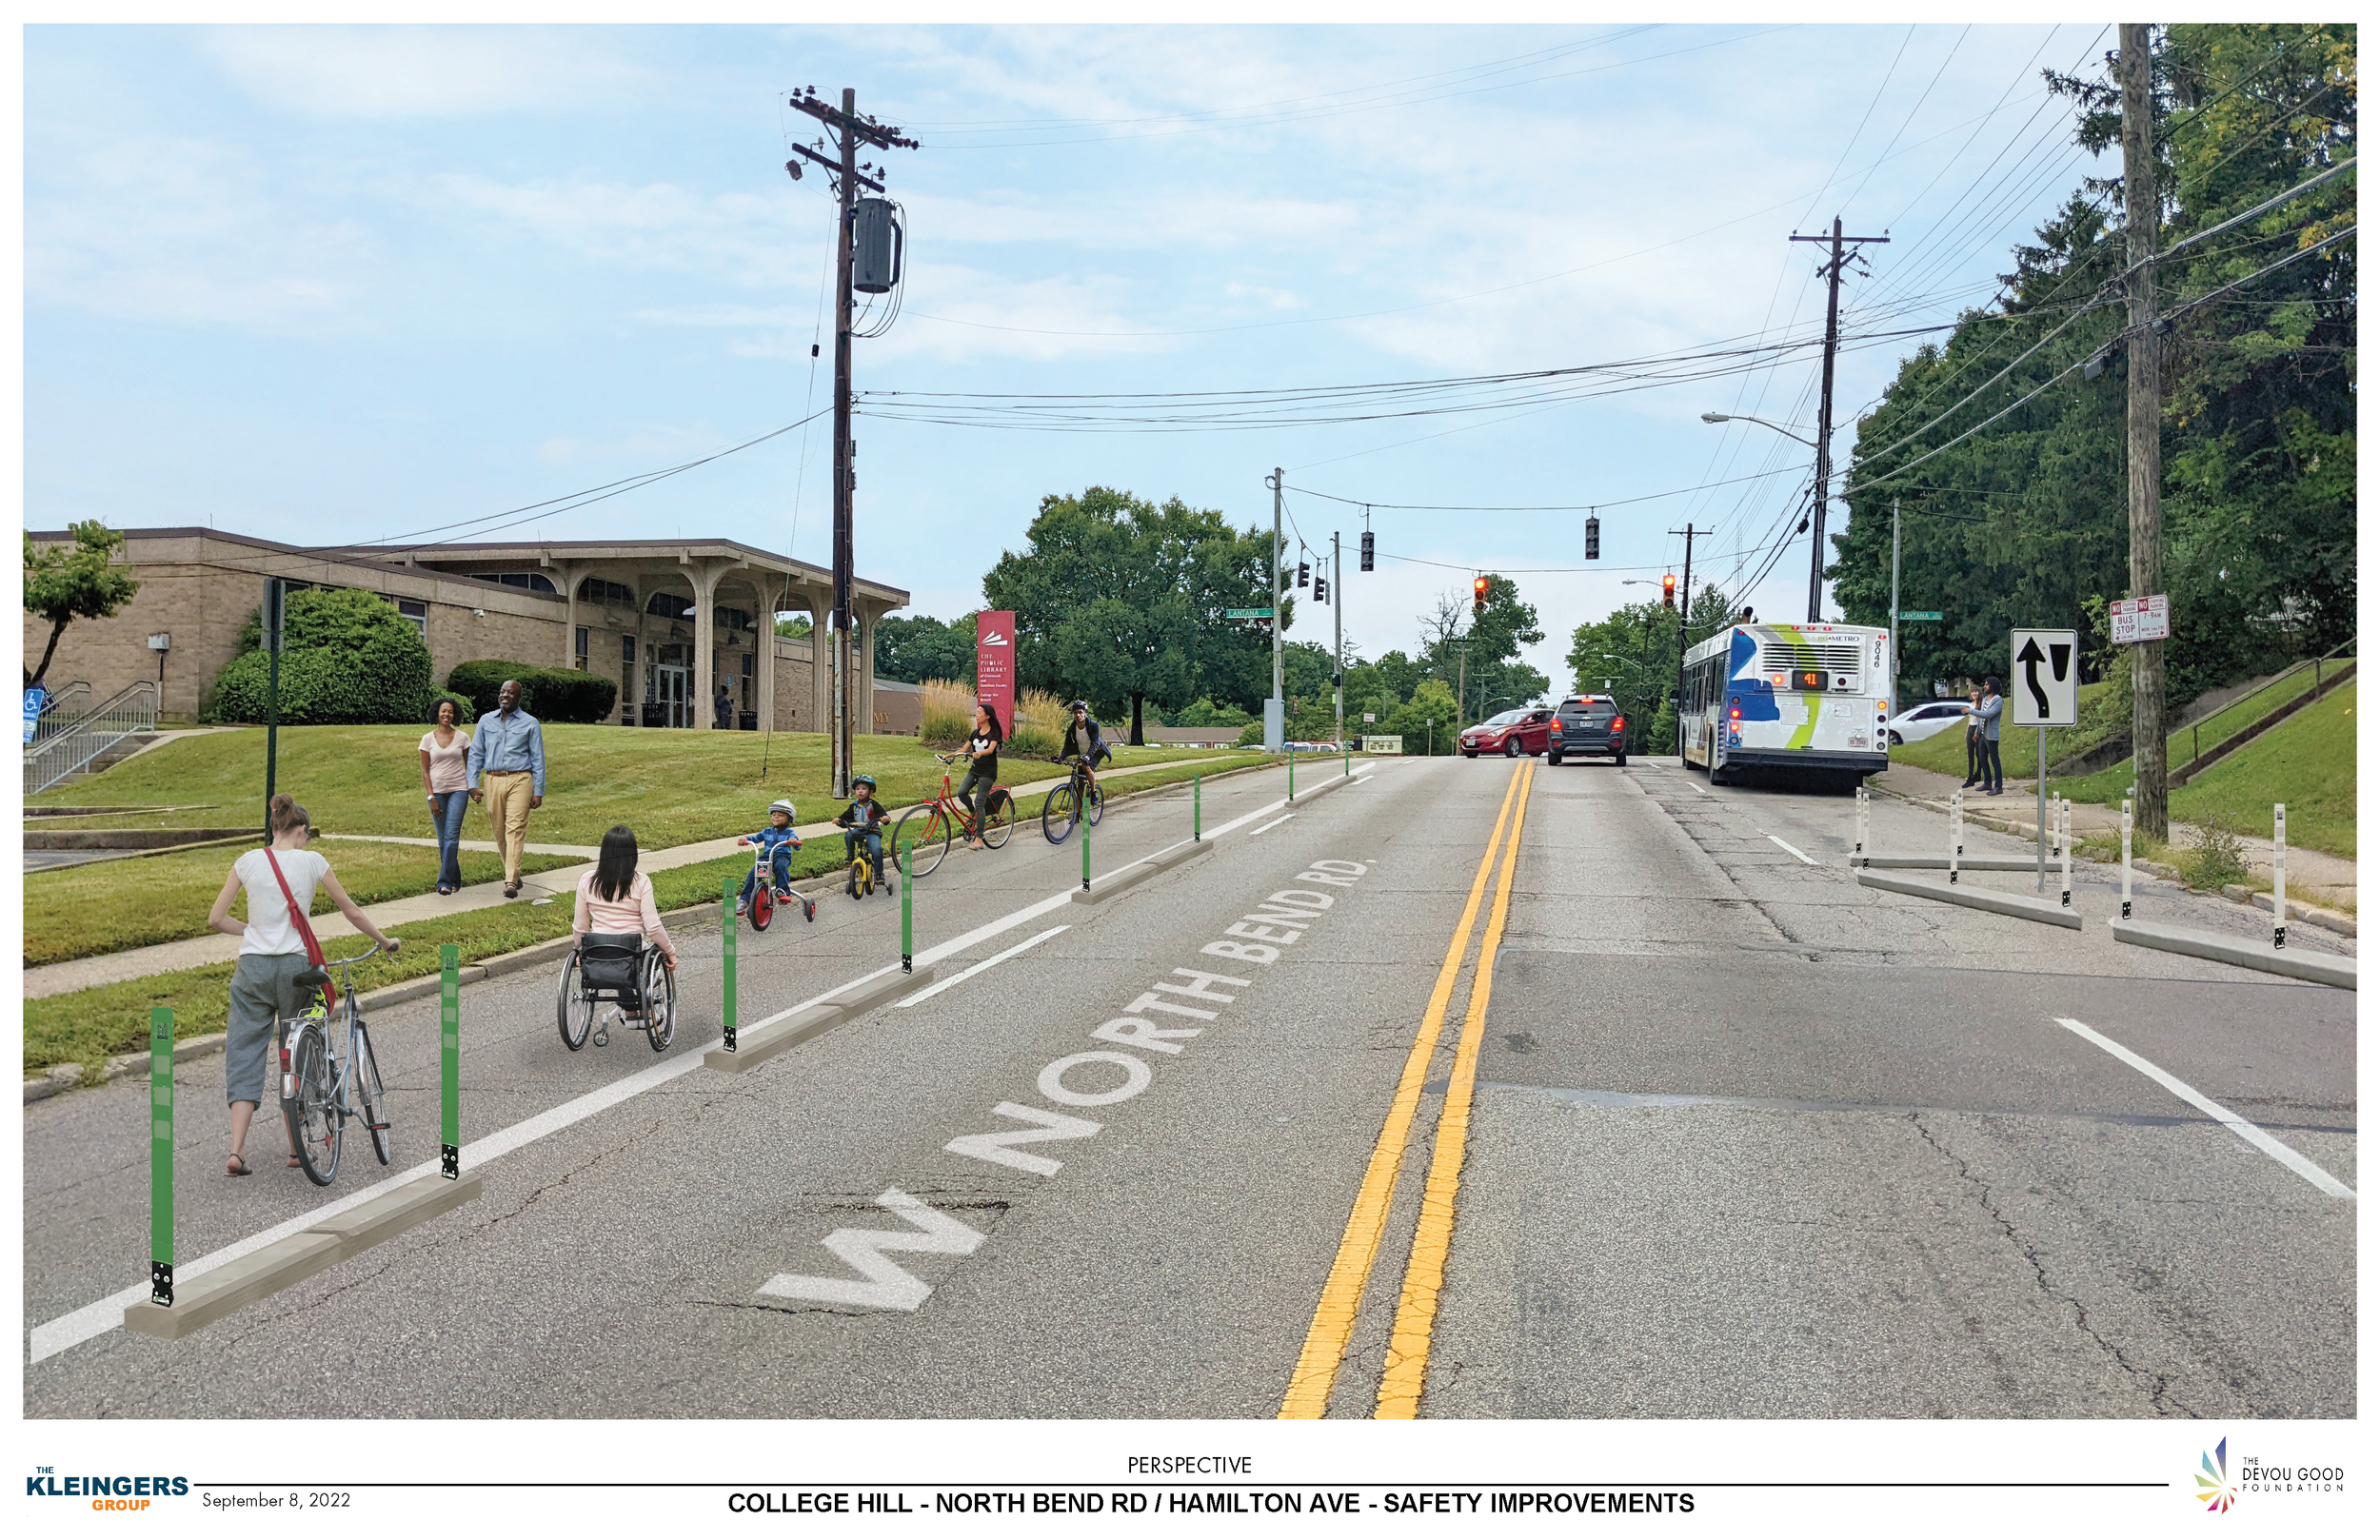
<point>929,823</point>
<point>625,974</point>
<point>316,1078</point>
<point>763,905</point>
<point>860,879</point>
<point>1078,800</point>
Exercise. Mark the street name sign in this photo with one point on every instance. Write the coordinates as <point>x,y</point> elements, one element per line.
<point>2042,679</point>
<point>2146,619</point>
<point>1921,615</point>
<point>1248,614</point>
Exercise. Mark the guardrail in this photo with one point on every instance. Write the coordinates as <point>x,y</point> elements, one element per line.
<point>130,710</point>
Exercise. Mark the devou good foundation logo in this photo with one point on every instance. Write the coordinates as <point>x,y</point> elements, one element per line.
<point>2215,1487</point>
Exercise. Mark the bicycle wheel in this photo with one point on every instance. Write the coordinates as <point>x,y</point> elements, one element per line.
<point>574,1013</point>
<point>661,1000</point>
<point>314,1120</point>
<point>1057,813</point>
<point>1098,805</point>
<point>764,906</point>
<point>929,826</point>
<point>851,879</point>
<point>369,1092</point>
<point>999,816</point>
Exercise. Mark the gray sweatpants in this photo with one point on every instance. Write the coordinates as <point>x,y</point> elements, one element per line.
<point>261,989</point>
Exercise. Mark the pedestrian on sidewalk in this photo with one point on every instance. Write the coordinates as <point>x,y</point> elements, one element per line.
<point>508,762</point>
<point>1988,723</point>
<point>724,711</point>
<point>281,881</point>
<point>1974,740</point>
<point>443,749</point>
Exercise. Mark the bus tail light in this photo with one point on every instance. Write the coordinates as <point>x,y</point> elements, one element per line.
<point>1735,713</point>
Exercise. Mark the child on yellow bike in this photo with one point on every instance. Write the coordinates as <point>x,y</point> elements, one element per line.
<point>863,823</point>
<point>782,842</point>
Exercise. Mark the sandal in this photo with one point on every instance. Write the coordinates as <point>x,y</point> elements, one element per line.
<point>293,1162</point>
<point>240,1167</point>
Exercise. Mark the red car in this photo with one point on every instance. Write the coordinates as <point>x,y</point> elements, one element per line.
<point>1509,732</point>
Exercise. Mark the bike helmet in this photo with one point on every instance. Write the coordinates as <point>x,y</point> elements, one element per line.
<point>857,782</point>
<point>782,804</point>
<point>1083,706</point>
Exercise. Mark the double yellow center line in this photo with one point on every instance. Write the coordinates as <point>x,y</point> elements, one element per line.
<point>1342,1291</point>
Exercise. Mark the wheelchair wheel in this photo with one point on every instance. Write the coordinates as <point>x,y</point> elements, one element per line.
<point>573,1012</point>
<point>661,1000</point>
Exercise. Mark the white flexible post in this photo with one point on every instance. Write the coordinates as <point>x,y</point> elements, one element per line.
<point>2127,858</point>
<point>2065,853</point>
<point>1958,832</point>
<point>2280,877</point>
<point>1859,821</point>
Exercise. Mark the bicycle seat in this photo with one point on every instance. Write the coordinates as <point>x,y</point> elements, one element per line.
<point>312,978</point>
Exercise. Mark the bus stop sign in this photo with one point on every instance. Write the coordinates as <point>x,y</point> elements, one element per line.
<point>2042,679</point>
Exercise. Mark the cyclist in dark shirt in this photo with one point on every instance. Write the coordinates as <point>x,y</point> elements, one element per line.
<point>863,822</point>
<point>1083,741</point>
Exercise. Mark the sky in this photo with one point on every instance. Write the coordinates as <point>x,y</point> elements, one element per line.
<point>353,282</point>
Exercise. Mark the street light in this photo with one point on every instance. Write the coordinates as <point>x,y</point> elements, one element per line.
<point>1724,416</point>
<point>1817,537</point>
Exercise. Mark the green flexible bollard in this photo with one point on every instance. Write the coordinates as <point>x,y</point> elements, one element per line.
<point>727,965</point>
<point>1293,775</point>
<point>1087,857</point>
<point>450,1061</point>
<point>907,853</point>
<point>160,1156</point>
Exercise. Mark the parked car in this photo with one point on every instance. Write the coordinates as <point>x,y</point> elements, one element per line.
<point>1509,732</point>
<point>1920,723</point>
<point>1587,724</point>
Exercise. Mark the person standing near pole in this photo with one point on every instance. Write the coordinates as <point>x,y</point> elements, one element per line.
<point>507,769</point>
<point>1975,740</point>
<point>1987,750</point>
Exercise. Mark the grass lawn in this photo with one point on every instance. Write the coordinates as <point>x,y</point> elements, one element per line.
<point>113,906</point>
<point>89,1025</point>
<point>2307,762</point>
<point>673,787</point>
<point>1945,753</point>
<point>2109,787</point>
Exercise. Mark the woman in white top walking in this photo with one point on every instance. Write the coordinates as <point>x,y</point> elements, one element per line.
<point>273,954</point>
<point>449,784</point>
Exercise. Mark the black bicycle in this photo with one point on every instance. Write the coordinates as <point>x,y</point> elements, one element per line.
<point>319,1076</point>
<point>1078,800</point>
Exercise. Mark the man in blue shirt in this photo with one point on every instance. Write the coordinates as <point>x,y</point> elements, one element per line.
<point>508,767</point>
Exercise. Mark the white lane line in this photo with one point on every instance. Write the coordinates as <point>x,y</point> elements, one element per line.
<point>78,1326</point>
<point>1275,824</point>
<point>1789,850</point>
<point>992,961</point>
<point>2230,1119</point>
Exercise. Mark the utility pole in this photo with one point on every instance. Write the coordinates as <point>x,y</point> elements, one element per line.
<point>1338,643</point>
<point>2143,455</point>
<point>1274,709</point>
<point>847,130</point>
<point>1686,608</point>
<point>1893,652</point>
<point>1832,269</point>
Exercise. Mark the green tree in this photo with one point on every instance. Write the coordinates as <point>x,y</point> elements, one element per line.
<point>794,626</point>
<point>63,584</point>
<point>1485,654</point>
<point>916,648</point>
<point>346,657</point>
<point>1428,722</point>
<point>1121,601</point>
<point>1635,647</point>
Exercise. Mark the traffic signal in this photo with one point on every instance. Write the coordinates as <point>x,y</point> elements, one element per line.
<point>1669,590</point>
<point>1478,595</point>
<point>1367,551</point>
<point>1595,540</point>
<point>1302,574</point>
<point>1322,590</point>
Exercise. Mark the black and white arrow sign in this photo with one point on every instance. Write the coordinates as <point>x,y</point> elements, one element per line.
<point>2042,679</point>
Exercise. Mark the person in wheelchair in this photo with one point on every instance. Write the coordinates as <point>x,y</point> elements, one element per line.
<point>615,910</point>
<point>782,842</point>
<point>1083,741</point>
<point>863,822</point>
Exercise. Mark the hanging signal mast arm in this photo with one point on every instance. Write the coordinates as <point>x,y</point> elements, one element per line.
<point>833,166</point>
<point>882,135</point>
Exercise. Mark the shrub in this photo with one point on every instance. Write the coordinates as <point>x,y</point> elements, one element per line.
<point>2217,859</point>
<point>1041,724</point>
<point>1252,735</point>
<point>547,694</point>
<point>945,712</point>
<point>346,657</point>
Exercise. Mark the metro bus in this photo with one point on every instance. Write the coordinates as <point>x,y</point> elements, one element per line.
<point>1786,697</point>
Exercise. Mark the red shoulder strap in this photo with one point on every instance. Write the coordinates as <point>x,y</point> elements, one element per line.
<point>306,932</point>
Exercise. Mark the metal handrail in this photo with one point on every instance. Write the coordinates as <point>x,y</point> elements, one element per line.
<point>55,716</point>
<point>130,710</point>
<point>2315,664</point>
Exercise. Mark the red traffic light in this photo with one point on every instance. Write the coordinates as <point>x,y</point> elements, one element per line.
<point>1479,595</point>
<point>1669,590</point>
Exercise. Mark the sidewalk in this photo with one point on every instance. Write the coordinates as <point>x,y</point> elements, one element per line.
<point>557,885</point>
<point>2311,870</point>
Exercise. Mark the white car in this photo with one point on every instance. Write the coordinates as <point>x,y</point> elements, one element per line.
<point>1922,721</point>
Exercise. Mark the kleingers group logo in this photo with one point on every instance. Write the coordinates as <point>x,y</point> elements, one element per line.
<point>2215,1489</point>
<point>131,1494</point>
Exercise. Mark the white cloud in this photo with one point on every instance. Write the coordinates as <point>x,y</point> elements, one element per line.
<point>391,72</point>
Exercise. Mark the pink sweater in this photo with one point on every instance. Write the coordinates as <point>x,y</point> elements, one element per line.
<point>631,914</point>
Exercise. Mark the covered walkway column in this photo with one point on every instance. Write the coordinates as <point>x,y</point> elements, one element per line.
<point>705,638</point>
<point>569,574</point>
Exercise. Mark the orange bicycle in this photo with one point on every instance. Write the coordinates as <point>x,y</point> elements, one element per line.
<point>924,832</point>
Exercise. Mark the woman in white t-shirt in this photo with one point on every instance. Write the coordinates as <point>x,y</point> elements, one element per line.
<point>273,954</point>
<point>449,784</point>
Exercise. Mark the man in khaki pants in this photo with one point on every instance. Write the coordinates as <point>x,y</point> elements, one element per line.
<point>508,762</point>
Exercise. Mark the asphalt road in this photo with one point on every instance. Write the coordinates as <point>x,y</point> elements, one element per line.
<point>1748,1140</point>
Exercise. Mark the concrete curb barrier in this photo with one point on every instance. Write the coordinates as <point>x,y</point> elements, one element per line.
<point>2017,906</point>
<point>1941,863</point>
<point>211,1295</point>
<point>2313,967</point>
<point>1140,872</point>
<point>1328,786</point>
<point>757,1047</point>
<point>2301,912</point>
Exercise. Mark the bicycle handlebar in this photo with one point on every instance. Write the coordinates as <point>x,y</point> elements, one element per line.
<point>341,962</point>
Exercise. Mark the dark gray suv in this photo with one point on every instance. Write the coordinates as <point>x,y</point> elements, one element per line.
<point>1587,724</point>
